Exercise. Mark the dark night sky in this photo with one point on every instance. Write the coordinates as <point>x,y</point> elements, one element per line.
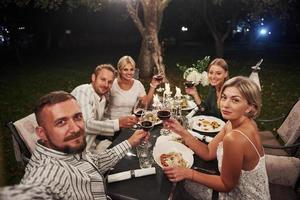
<point>113,23</point>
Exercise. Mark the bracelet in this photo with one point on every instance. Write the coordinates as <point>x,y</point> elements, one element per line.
<point>151,85</point>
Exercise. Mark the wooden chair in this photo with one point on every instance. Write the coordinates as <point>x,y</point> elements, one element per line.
<point>23,137</point>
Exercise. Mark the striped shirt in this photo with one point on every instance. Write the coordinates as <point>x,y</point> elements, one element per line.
<point>93,107</point>
<point>52,174</point>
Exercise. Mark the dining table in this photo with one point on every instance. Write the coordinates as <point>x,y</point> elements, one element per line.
<point>150,187</point>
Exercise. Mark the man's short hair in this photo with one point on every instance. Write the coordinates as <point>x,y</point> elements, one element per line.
<point>105,66</point>
<point>48,100</point>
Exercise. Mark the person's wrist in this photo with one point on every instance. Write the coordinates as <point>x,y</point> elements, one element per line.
<point>153,86</point>
<point>192,175</point>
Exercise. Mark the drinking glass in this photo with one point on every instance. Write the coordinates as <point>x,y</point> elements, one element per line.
<point>139,111</point>
<point>165,113</point>
<point>144,155</point>
<point>158,77</point>
<point>189,84</point>
<point>147,125</point>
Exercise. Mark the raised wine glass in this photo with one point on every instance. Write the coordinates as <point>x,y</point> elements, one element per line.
<point>189,84</point>
<point>165,113</point>
<point>159,77</point>
<point>139,111</point>
<point>147,124</point>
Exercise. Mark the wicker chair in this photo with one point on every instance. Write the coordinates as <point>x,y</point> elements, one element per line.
<point>286,140</point>
<point>282,155</point>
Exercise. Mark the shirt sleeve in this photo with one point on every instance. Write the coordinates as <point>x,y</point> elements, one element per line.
<point>22,192</point>
<point>40,184</point>
<point>141,89</point>
<point>110,157</point>
<point>94,126</point>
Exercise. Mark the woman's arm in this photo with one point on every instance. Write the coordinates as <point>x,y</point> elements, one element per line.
<point>206,152</point>
<point>148,98</point>
<point>193,92</point>
<point>232,163</point>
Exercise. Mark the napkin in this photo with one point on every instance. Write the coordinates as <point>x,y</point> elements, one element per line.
<point>129,174</point>
<point>192,113</point>
<point>207,139</point>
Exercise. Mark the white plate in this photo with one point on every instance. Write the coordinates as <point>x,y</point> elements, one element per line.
<point>166,138</point>
<point>171,146</point>
<point>190,105</point>
<point>207,127</point>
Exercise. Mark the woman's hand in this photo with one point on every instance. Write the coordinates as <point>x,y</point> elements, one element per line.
<point>154,82</point>
<point>174,125</point>
<point>191,90</point>
<point>176,174</point>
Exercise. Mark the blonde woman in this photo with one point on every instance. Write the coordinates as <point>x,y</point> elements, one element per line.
<point>126,90</point>
<point>217,75</point>
<point>237,147</point>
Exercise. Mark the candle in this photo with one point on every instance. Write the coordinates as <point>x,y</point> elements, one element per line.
<point>167,88</point>
<point>178,93</point>
<point>156,102</point>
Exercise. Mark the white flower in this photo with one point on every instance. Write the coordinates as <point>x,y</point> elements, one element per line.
<point>192,74</point>
<point>204,79</point>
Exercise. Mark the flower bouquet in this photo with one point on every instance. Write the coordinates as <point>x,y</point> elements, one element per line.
<point>196,74</point>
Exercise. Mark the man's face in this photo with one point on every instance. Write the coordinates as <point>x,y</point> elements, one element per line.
<point>62,127</point>
<point>102,82</point>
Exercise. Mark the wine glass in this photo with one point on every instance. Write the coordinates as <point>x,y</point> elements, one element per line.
<point>158,77</point>
<point>147,124</point>
<point>163,114</point>
<point>189,84</point>
<point>139,111</point>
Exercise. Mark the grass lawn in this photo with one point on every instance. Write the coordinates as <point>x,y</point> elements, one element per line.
<point>22,84</point>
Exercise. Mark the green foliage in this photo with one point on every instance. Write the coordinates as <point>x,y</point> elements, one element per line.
<point>200,65</point>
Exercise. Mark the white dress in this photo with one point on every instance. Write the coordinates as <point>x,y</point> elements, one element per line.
<point>253,184</point>
<point>121,101</point>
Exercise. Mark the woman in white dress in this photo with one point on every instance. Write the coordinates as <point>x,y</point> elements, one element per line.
<point>237,147</point>
<point>126,90</point>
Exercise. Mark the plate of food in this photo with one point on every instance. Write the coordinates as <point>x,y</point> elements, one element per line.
<point>173,153</point>
<point>152,116</point>
<point>187,104</point>
<point>207,124</point>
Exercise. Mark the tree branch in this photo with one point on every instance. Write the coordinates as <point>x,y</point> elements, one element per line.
<point>134,14</point>
<point>161,7</point>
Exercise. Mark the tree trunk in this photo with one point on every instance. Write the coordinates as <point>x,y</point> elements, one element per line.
<point>145,62</point>
<point>219,44</point>
<point>150,58</point>
<point>219,34</point>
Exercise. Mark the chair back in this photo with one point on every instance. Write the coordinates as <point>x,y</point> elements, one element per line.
<point>24,137</point>
<point>289,131</point>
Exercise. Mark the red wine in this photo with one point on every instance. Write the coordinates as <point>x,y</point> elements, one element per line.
<point>164,114</point>
<point>158,77</point>
<point>139,113</point>
<point>146,125</point>
<point>189,84</point>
